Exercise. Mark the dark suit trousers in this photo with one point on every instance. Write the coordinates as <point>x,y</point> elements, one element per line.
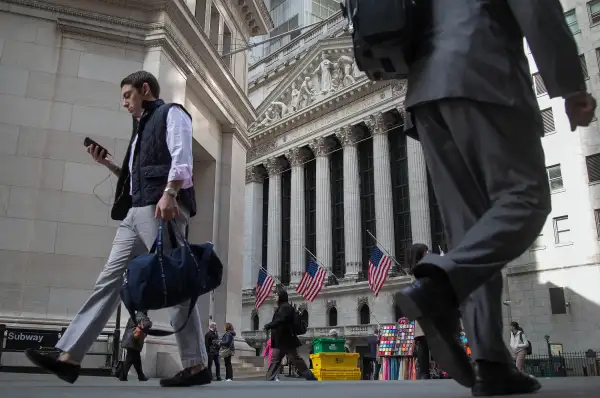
<point>214,358</point>
<point>488,170</point>
<point>293,359</point>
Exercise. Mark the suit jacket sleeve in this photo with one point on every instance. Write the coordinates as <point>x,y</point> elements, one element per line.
<point>551,42</point>
<point>279,318</point>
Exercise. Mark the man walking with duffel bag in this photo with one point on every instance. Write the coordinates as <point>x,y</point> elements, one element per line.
<point>154,182</point>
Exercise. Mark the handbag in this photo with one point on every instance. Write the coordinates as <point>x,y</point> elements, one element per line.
<point>165,278</point>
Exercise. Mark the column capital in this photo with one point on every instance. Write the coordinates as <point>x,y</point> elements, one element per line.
<point>401,110</point>
<point>297,156</point>
<point>376,124</point>
<point>321,146</point>
<point>274,166</point>
<point>254,174</point>
<point>348,135</point>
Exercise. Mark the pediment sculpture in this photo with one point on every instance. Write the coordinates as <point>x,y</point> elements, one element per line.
<point>328,78</point>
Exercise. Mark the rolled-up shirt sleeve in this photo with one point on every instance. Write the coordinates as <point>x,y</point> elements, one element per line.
<point>179,142</point>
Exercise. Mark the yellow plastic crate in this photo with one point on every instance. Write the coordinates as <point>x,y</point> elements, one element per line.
<point>325,375</point>
<point>335,361</point>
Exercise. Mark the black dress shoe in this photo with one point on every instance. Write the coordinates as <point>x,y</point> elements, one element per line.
<point>502,379</point>
<point>433,305</point>
<point>50,363</point>
<point>186,378</point>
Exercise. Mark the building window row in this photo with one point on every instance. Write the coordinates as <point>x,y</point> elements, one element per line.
<point>593,8</point>
<point>562,234</point>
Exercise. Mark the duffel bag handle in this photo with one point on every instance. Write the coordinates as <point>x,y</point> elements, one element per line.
<point>157,246</point>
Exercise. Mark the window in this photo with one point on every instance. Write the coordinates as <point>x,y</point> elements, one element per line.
<point>597,219</point>
<point>310,207</point>
<point>594,10</point>
<point>571,19</point>
<point>323,9</point>
<point>286,202</point>
<point>365,315</point>
<point>548,118</point>
<point>255,322</point>
<point>538,243</point>
<point>227,46</point>
<point>275,3</point>
<point>562,230</point>
<point>400,195</point>
<point>288,25</point>
<point>584,68</point>
<point>592,164</point>
<point>598,56</point>
<point>438,234</point>
<point>555,178</point>
<point>333,315</point>
<point>367,201</point>
<point>336,164</point>
<point>538,84</point>
<point>558,305</point>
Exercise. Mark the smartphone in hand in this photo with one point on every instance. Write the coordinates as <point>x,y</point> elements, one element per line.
<point>88,142</point>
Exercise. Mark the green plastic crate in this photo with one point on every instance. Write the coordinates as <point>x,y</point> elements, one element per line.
<point>328,345</point>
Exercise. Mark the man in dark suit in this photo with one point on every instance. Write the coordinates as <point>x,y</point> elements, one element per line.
<point>471,98</point>
<point>283,339</point>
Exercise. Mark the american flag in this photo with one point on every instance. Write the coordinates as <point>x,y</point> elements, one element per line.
<point>263,287</point>
<point>312,281</point>
<point>379,266</point>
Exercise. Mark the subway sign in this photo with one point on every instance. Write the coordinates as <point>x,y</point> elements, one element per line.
<point>22,339</point>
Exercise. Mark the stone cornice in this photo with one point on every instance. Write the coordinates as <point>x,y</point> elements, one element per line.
<point>158,34</point>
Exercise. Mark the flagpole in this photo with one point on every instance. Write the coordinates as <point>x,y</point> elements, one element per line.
<point>321,264</point>
<point>268,273</point>
<point>386,252</point>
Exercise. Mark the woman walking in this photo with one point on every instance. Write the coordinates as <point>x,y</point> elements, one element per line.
<point>227,350</point>
<point>518,344</point>
<point>268,353</point>
<point>133,343</point>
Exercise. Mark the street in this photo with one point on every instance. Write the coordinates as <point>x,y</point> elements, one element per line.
<point>31,386</point>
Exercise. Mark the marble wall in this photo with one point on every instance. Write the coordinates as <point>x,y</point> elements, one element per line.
<point>55,227</point>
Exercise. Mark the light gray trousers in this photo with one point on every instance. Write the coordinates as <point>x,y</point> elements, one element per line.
<point>135,235</point>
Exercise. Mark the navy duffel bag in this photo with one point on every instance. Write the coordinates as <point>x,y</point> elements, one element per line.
<point>165,278</point>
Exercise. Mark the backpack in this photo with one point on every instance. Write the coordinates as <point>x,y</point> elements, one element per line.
<point>300,325</point>
<point>165,278</point>
<point>382,44</point>
<point>529,349</point>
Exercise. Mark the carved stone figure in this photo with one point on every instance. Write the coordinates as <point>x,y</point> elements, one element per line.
<point>325,70</point>
<point>336,76</point>
<point>283,109</point>
<point>306,94</point>
<point>347,63</point>
<point>295,101</point>
<point>270,116</point>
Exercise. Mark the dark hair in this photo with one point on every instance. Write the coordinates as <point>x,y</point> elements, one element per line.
<point>516,326</point>
<point>228,327</point>
<point>417,252</point>
<point>137,80</point>
<point>282,296</point>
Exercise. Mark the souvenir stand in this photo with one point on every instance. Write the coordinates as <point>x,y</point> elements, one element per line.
<point>396,347</point>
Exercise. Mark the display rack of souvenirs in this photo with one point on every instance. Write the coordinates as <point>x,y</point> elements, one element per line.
<point>396,348</point>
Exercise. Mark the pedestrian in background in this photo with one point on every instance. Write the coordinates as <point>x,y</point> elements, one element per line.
<point>133,343</point>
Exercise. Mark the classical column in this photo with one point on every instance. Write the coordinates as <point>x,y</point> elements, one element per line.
<point>297,157</point>
<point>384,204</point>
<point>420,221</point>
<point>253,231</point>
<point>275,167</point>
<point>321,148</point>
<point>349,137</point>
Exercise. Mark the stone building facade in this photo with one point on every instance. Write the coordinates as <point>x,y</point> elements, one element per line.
<point>329,167</point>
<point>61,63</point>
<point>329,162</point>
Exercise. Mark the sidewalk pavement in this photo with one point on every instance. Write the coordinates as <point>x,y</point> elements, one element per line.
<point>46,386</point>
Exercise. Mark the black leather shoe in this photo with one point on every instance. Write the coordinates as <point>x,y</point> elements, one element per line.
<point>433,305</point>
<point>50,363</point>
<point>502,379</point>
<point>186,378</point>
